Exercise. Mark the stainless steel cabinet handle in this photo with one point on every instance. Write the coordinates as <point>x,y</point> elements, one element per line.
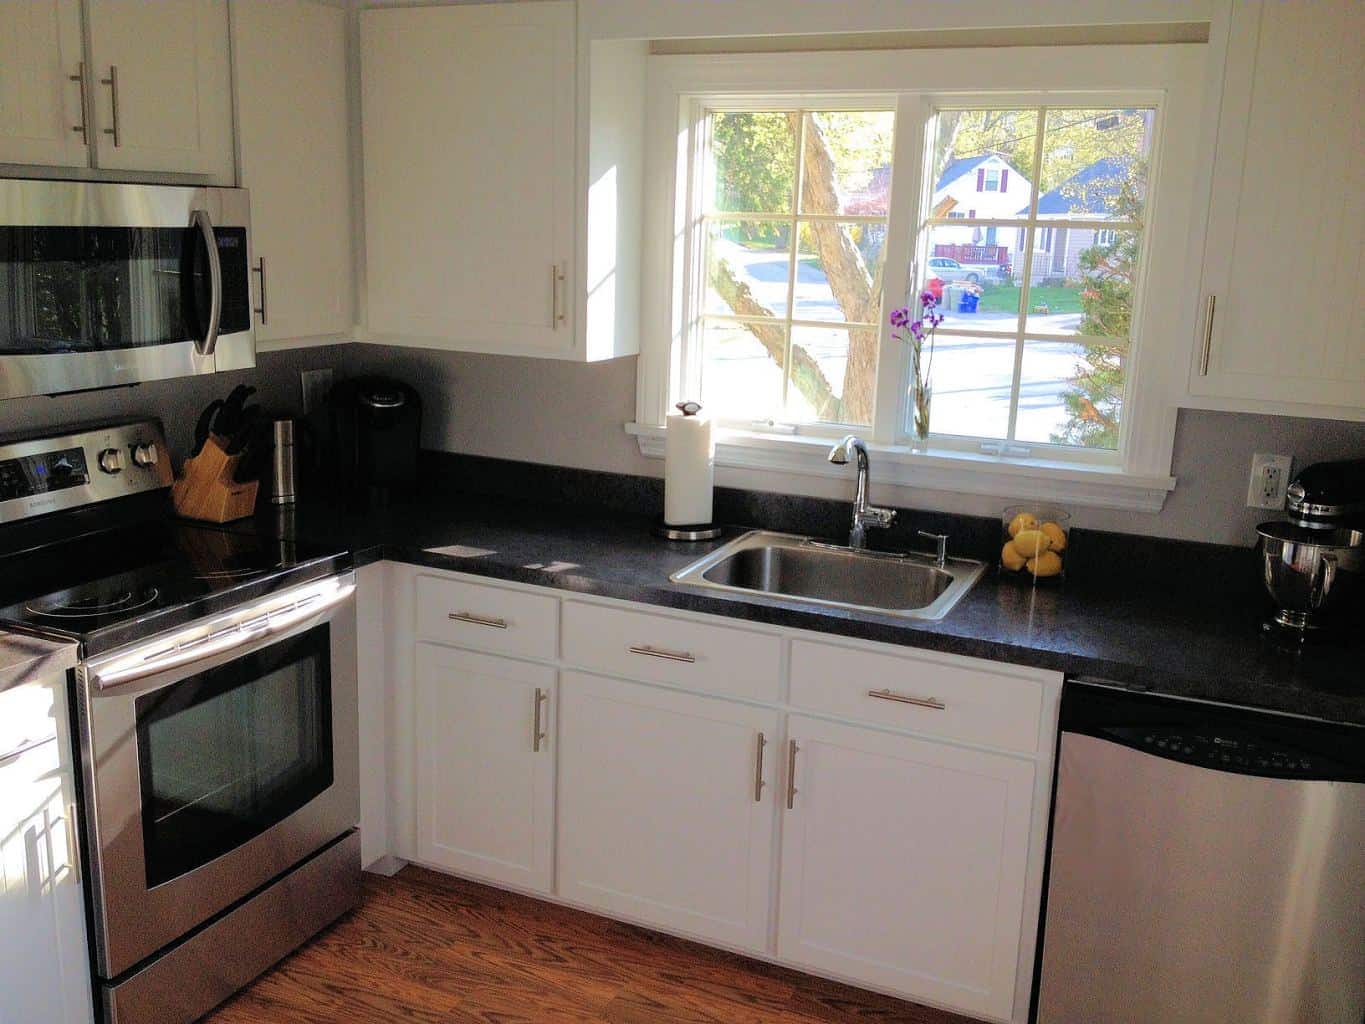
<point>556,295</point>
<point>84,127</point>
<point>933,703</point>
<point>758,768</point>
<point>260,269</point>
<point>792,748</point>
<point>1208,335</point>
<point>478,620</point>
<point>24,748</point>
<point>112,82</point>
<point>537,734</point>
<point>659,652</point>
<point>201,220</point>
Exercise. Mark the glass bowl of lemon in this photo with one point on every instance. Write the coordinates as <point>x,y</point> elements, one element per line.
<point>1036,539</point>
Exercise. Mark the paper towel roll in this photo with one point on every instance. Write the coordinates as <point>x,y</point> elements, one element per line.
<point>689,467</point>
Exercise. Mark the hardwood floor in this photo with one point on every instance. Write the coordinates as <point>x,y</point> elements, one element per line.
<point>424,947</point>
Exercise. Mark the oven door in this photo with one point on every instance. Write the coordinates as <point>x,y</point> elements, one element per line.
<point>106,284</point>
<point>215,760</point>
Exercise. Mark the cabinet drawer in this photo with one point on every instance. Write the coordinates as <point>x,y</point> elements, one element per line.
<point>951,698</point>
<point>487,618</point>
<point>660,649</point>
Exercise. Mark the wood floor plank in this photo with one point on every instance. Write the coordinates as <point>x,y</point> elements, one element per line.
<point>427,948</point>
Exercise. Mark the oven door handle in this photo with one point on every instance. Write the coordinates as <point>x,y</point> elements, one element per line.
<point>201,220</point>
<point>239,639</point>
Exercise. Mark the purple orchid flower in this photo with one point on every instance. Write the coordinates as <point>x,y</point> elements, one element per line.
<point>900,317</point>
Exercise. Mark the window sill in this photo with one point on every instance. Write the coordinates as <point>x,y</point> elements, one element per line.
<point>962,472</point>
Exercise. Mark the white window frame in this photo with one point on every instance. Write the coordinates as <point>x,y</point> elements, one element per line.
<point>986,180</point>
<point>1169,78</point>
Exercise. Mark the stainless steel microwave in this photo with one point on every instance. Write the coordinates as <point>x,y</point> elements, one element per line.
<point>108,284</point>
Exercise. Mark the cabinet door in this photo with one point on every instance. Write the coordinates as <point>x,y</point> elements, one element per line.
<point>162,86</point>
<point>662,817</point>
<point>42,120</point>
<point>1288,211</point>
<point>468,115</point>
<point>904,863</point>
<point>44,959</point>
<point>485,775</point>
<point>296,162</point>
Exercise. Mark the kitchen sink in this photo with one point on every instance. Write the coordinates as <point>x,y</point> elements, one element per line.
<point>808,571</point>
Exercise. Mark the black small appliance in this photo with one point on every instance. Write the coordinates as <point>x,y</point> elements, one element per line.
<point>1328,495</point>
<point>375,430</point>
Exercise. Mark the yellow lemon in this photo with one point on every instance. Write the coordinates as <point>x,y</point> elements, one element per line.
<point>1032,542</point>
<point>1010,558</point>
<point>1055,534</point>
<point>1049,563</point>
<point>1023,521</point>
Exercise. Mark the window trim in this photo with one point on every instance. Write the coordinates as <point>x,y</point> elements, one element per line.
<point>1167,76</point>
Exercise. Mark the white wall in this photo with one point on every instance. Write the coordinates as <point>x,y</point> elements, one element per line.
<point>536,410</point>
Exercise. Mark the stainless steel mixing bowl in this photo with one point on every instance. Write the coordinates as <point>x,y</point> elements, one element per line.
<point>1311,574</point>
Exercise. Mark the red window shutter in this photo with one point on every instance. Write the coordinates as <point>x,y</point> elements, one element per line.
<point>1004,181</point>
<point>981,179</point>
<point>971,213</point>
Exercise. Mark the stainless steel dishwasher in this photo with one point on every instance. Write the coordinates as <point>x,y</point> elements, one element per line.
<point>1207,866</point>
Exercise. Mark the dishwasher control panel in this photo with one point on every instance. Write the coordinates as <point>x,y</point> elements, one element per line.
<point>1222,750</point>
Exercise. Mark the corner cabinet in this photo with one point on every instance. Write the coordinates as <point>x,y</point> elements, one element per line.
<point>1282,328</point>
<point>501,188</point>
<point>294,137</point>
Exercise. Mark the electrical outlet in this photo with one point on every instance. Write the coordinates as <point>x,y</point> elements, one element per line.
<point>1269,478</point>
<point>315,385</point>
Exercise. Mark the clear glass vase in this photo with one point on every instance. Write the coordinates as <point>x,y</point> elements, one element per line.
<point>921,399</point>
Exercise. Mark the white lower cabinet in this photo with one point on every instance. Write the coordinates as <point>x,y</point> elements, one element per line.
<point>666,807</point>
<point>904,864</point>
<point>485,766</point>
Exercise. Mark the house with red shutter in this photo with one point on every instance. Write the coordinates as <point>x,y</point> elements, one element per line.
<point>979,186</point>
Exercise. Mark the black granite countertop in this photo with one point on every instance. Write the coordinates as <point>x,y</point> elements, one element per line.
<point>1181,623</point>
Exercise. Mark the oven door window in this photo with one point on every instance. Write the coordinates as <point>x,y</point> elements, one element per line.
<point>228,753</point>
<point>65,289</point>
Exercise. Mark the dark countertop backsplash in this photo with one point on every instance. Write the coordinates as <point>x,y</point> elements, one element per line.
<point>1159,615</point>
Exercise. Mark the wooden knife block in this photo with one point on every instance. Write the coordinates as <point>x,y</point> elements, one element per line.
<point>206,489</point>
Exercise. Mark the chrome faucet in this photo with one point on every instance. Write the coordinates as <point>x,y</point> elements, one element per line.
<point>864,515</point>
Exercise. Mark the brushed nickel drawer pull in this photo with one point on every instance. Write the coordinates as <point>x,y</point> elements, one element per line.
<point>933,703</point>
<point>537,733</point>
<point>112,82</point>
<point>477,620</point>
<point>792,748</point>
<point>758,769</point>
<point>82,129</point>
<point>659,652</point>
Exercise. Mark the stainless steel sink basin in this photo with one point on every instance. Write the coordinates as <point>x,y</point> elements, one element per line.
<point>801,569</point>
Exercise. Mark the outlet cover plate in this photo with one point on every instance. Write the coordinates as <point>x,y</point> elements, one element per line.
<point>1269,480</point>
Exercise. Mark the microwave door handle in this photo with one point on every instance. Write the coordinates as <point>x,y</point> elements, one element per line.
<point>201,220</point>
<point>243,640</point>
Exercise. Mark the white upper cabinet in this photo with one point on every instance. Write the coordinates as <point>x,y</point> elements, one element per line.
<point>290,58</point>
<point>161,86</point>
<point>468,116</point>
<point>42,120</point>
<point>1283,322</point>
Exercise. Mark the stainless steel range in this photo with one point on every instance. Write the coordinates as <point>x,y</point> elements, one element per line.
<point>215,713</point>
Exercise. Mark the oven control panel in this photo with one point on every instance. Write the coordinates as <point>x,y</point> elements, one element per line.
<point>39,475</point>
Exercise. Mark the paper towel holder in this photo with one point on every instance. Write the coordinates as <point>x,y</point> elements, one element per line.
<point>691,531</point>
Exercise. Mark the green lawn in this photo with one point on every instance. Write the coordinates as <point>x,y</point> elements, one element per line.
<point>1005,299</point>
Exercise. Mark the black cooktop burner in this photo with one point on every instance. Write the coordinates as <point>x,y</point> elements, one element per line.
<point>86,602</point>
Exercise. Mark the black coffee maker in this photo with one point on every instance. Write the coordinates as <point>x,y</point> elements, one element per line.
<point>374,430</point>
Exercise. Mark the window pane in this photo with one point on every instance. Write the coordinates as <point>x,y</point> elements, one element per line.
<point>853,292</point>
<point>1082,282</point>
<point>747,266</point>
<point>971,379</point>
<point>833,375</point>
<point>753,162</point>
<point>847,167</point>
<point>1071,394</point>
<point>975,149</point>
<point>742,369</point>
<point>970,270</point>
<point>1095,163</point>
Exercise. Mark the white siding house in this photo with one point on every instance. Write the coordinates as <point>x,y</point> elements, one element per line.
<point>980,186</point>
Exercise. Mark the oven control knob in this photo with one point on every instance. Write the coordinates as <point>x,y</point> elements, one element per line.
<point>111,460</point>
<point>145,454</point>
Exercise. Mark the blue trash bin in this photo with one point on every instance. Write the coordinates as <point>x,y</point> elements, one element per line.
<point>967,304</point>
